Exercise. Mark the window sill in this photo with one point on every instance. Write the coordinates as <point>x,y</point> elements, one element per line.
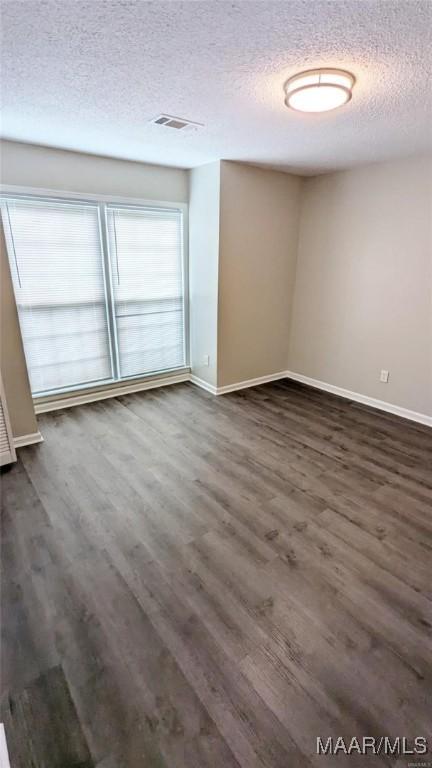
<point>115,389</point>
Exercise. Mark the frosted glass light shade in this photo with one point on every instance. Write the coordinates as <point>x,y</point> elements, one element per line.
<point>319,90</point>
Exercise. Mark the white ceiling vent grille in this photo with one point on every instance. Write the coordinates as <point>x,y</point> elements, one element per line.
<point>176,123</point>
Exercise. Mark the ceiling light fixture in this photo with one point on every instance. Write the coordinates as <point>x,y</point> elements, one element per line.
<point>319,90</point>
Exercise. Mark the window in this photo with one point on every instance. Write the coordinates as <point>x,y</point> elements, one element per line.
<point>147,288</point>
<point>99,290</point>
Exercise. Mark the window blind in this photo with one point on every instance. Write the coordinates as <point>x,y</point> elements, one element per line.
<point>57,271</point>
<point>145,247</point>
<point>99,289</point>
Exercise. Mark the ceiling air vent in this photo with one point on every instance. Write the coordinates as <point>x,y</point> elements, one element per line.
<point>177,123</point>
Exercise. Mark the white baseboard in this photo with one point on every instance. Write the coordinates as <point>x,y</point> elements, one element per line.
<point>381,405</point>
<point>203,384</point>
<point>250,383</point>
<point>22,440</point>
<point>104,394</point>
<point>238,385</point>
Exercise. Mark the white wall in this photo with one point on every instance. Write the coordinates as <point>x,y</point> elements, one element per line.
<point>204,269</point>
<point>29,165</point>
<point>363,296</point>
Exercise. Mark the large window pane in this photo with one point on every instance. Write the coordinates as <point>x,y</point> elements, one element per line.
<point>57,270</point>
<point>99,289</point>
<point>145,247</point>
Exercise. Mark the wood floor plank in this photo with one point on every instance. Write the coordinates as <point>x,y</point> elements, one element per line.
<point>36,725</point>
<point>220,580</point>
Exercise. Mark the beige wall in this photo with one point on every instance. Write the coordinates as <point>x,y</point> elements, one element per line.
<point>29,165</point>
<point>363,298</point>
<point>203,269</point>
<point>361,266</point>
<point>258,247</point>
<point>12,361</point>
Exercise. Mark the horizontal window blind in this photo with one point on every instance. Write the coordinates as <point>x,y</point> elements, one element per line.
<point>57,271</point>
<point>99,289</point>
<point>145,247</point>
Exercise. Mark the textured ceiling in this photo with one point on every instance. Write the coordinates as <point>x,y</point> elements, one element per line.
<point>88,75</point>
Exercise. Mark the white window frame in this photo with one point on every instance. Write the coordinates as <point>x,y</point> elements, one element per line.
<point>56,195</point>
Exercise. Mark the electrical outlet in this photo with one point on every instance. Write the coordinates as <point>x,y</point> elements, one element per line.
<point>384,376</point>
<point>206,360</point>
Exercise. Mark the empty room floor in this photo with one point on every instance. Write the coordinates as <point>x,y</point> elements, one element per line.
<point>194,581</point>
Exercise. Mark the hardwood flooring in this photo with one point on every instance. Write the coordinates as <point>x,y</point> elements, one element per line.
<point>196,582</point>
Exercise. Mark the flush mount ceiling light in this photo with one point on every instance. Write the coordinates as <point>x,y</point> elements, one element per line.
<point>319,90</point>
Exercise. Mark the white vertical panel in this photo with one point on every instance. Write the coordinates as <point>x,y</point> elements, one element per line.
<point>4,757</point>
<point>7,449</point>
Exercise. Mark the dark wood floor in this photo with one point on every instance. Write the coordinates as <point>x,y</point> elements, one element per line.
<point>191,581</point>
